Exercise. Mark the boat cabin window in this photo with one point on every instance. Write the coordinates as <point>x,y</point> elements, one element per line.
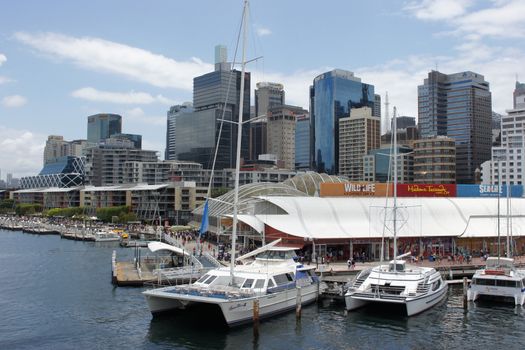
<point>277,254</point>
<point>506,283</point>
<point>483,282</point>
<point>209,280</point>
<point>203,278</point>
<point>283,278</point>
<point>270,283</point>
<point>248,283</point>
<point>436,285</point>
<point>259,284</point>
<point>398,267</point>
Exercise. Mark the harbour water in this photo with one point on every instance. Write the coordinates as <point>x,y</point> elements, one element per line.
<point>57,294</point>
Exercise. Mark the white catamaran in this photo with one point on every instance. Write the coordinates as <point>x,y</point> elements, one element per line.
<point>499,280</point>
<point>273,283</point>
<point>413,287</point>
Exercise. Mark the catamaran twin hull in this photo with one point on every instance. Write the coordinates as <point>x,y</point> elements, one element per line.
<point>412,305</point>
<point>236,311</point>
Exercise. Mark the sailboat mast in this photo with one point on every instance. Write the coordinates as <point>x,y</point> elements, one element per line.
<point>239,141</point>
<point>499,189</point>
<point>394,131</point>
<point>509,255</point>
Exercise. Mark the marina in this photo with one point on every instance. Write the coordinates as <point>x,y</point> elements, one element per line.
<point>109,317</point>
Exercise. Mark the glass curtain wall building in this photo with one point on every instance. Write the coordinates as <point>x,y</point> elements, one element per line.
<point>101,126</point>
<point>458,106</point>
<point>173,113</point>
<point>332,96</point>
<point>302,142</point>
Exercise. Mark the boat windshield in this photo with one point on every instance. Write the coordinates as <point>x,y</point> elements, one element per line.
<point>277,254</point>
<point>398,267</point>
<point>502,263</point>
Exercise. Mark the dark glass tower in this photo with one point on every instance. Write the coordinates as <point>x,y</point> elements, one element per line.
<point>458,106</point>
<point>332,96</point>
<point>101,126</point>
<point>197,133</point>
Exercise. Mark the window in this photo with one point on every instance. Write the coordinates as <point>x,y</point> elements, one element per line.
<point>203,278</point>
<point>259,284</point>
<point>248,283</point>
<point>211,279</point>
<point>282,279</point>
<point>270,283</point>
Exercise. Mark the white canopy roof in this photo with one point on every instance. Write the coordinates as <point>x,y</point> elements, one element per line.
<point>364,217</point>
<point>156,246</point>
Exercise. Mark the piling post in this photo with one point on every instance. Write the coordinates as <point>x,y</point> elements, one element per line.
<point>465,288</point>
<point>256,318</point>
<point>298,303</point>
<point>450,274</point>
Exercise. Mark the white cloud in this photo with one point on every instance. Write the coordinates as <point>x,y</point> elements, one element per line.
<point>503,19</point>
<point>132,97</point>
<point>14,101</point>
<point>3,59</point>
<point>437,9</point>
<point>261,31</point>
<point>138,115</point>
<point>107,56</point>
<point>4,80</point>
<point>22,151</point>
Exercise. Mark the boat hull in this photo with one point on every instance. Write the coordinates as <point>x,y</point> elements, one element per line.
<point>413,306</point>
<point>235,311</point>
<point>496,293</point>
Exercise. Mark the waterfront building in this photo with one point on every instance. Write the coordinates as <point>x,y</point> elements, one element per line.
<point>302,142</point>
<point>174,111</point>
<point>377,162</point>
<point>105,163</point>
<point>332,96</point>
<point>61,172</point>
<point>358,134</point>
<point>101,126</point>
<point>281,132</point>
<point>159,172</point>
<point>507,165</point>
<point>267,95</point>
<point>215,97</point>
<point>458,106</point>
<point>435,160</point>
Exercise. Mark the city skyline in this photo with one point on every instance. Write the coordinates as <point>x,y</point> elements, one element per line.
<point>61,62</point>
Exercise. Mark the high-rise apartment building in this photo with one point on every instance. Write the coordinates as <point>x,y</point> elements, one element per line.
<point>458,106</point>
<point>507,165</point>
<point>56,147</point>
<point>174,111</point>
<point>379,167</point>
<point>281,132</point>
<point>101,126</point>
<point>332,96</point>
<point>215,96</point>
<point>267,95</point>
<point>358,134</point>
<point>435,160</point>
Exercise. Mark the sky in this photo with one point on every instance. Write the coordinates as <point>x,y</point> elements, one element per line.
<point>62,60</point>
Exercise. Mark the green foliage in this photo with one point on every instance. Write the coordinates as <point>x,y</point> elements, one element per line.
<point>7,206</point>
<point>28,209</point>
<point>66,212</point>
<point>216,192</point>
<point>127,217</point>
<point>106,214</point>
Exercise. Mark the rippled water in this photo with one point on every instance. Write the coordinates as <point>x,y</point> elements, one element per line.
<point>57,294</point>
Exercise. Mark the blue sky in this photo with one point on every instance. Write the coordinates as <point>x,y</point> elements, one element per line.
<point>61,61</point>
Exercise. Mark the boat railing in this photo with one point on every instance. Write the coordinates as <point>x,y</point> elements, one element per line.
<point>363,275</point>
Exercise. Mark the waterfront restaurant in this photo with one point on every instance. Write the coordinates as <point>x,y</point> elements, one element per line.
<point>429,223</point>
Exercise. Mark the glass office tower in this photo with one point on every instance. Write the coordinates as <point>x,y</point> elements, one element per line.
<point>332,96</point>
<point>101,126</point>
<point>458,106</point>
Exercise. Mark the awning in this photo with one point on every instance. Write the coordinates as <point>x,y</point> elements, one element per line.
<point>156,246</point>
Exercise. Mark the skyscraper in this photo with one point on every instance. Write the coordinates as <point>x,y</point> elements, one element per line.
<point>101,126</point>
<point>458,106</point>
<point>333,95</point>
<point>302,142</point>
<point>197,133</point>
<point>281,133</point>
<point>358,134</point>
<point>267,95</point>
<point>173,113</point>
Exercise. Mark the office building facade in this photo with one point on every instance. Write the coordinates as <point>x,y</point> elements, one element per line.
<point>302,142</point>
<point>101,126</point>
<point>358,134</point>
<point>435,160</point>
<point>458,106</point>
<point>332,96</point>
<point>170,152</point>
